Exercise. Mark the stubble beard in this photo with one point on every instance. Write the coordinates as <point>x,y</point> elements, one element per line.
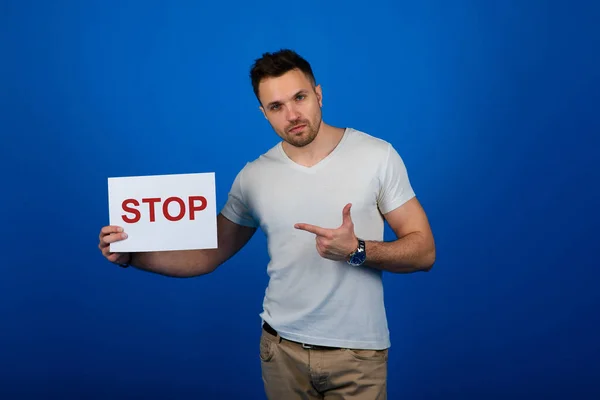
<point>309,133</point>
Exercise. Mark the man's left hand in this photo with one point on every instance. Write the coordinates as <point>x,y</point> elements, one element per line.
<point>334,244</point>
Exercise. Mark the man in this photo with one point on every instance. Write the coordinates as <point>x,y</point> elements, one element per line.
<point>321,196</point>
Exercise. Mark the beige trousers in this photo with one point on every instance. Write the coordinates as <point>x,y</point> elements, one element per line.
<point>291,372</point>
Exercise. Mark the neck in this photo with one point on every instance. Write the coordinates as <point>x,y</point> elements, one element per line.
<point>324,143</point>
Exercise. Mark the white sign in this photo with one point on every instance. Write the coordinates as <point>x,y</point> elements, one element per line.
<point>164,212</point>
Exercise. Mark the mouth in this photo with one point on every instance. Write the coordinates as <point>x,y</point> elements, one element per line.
<point>297,129</point>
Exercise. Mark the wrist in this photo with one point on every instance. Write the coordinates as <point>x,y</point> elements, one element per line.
<point>126,264</point>
<point>358,256</point>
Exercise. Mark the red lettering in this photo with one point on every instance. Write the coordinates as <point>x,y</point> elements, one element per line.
<point>193,208</point>
<point>134,211</point>
<point>151,206</point>
<point>166,209</point>
<point>195,204</point>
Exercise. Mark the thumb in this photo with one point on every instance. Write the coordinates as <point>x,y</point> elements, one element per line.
<point>346,217</point>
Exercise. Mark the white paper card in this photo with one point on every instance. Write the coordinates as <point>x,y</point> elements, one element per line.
<point>164,212</point>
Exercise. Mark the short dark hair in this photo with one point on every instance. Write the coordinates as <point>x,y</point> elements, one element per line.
<point>273,65</point>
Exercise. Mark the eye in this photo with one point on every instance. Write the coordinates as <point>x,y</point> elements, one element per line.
<point>274,107</point>
<point>301,97</point>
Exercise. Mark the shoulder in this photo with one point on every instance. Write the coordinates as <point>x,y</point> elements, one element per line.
<point>368,143</point>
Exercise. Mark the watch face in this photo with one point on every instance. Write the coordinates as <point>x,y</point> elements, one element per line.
<point>358,258</point>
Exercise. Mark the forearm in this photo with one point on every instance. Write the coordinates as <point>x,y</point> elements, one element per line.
<point>411,253</point>
<point>177,264</point>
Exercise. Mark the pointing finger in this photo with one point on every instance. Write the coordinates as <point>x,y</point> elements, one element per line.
<point>313,229</point>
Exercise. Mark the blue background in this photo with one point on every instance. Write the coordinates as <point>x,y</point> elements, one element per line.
<point>493,106</point>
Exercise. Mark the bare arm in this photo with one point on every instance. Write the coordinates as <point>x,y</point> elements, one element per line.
<point>181,264</point>
<point>414,248</point>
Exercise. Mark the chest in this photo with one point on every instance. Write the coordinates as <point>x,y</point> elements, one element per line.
<point>290,196</point>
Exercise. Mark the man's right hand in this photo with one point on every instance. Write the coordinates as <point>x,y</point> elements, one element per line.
<point>110,234</point>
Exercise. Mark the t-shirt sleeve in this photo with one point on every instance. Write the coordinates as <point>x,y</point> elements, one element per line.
<point>236,208</point>
<point>395,188</point>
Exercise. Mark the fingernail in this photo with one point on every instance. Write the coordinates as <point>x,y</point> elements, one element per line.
<point>124,236</point>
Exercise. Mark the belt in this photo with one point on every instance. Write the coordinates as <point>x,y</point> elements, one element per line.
<point>269,329</point>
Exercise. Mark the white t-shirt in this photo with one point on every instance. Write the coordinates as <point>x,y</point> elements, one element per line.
<point>311,299</point>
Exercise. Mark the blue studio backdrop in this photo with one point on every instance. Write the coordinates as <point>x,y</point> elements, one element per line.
<point>492,105</point>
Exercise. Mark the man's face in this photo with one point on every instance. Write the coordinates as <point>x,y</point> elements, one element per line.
<point>293,107</point>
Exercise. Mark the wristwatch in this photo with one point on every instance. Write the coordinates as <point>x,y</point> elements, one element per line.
<point>358,256</point>
<point>127,264</point>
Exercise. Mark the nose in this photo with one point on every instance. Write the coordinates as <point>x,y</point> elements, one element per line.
<point>292,114</point>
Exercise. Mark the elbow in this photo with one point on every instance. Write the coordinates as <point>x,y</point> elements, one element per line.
<point>203,270</point>
<point>193,271</point>
<point>428,260</point>
<point>427,254</point>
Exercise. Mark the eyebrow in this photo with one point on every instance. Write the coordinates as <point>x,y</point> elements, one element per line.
<point>301,91</point>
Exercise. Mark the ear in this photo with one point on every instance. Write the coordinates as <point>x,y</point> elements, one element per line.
<point>319,92</point>
<point>262,109</point>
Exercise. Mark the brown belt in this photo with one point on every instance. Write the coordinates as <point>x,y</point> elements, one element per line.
<point>269,329</point>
